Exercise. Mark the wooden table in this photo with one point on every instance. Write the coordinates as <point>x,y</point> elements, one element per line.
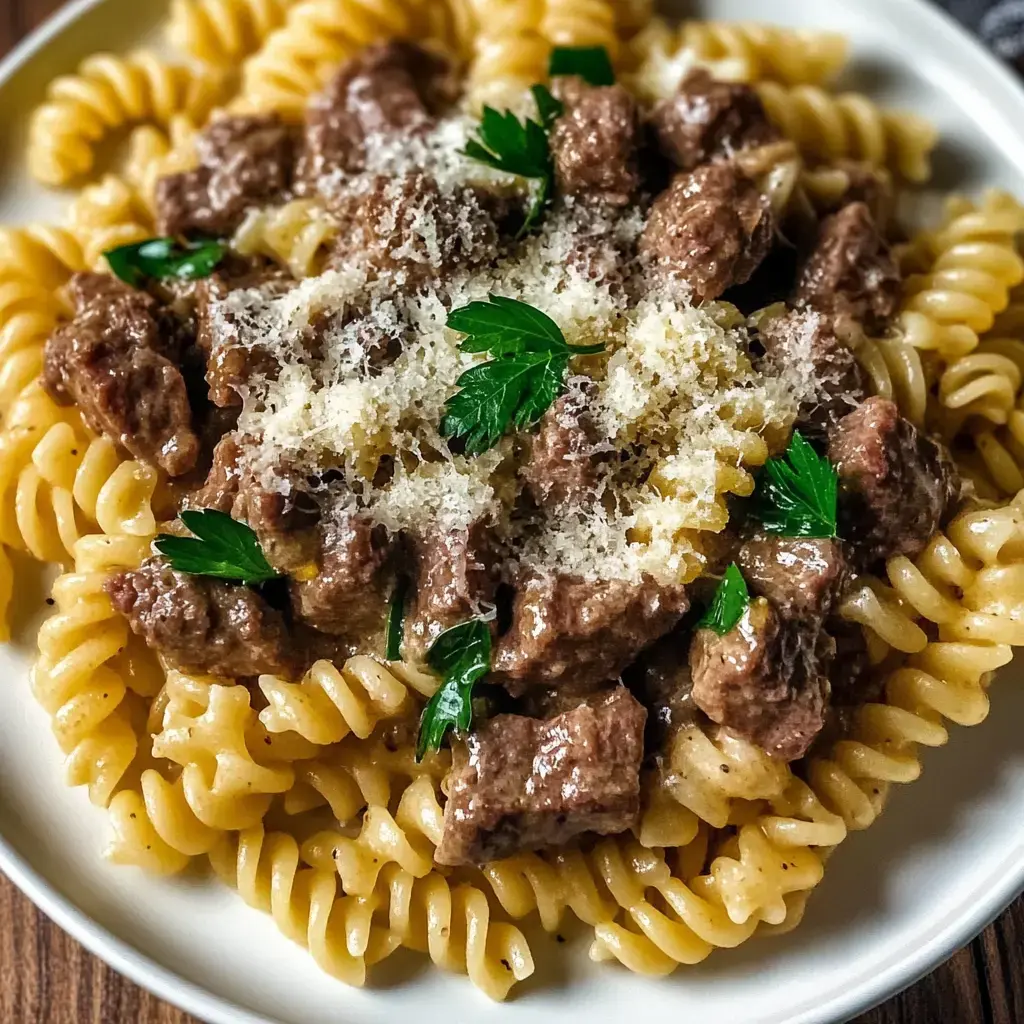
<point>46,978</point>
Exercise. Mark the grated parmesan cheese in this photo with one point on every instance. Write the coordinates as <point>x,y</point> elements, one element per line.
<point>675,389</point>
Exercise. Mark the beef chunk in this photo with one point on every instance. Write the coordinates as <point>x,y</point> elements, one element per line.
<point>201,624</point>
<point>244,162</point>
<point>112,361</point>
<point>853,679</point>
<point>221,487</point>
<point>388,89</point>
<point>230,365</point>
<point>576,635</point>
<point>410,230</point>
<point>348,596</point>
<point>766,680</point>
<point>707,119</point>
<point>851,270</point>
<point>595,143</point>
<point>816,347</point>
<point>562,466</point>
<point>456,574</point>
<point>521,784</point>
<point>896,486</point>
<point>279,504</point>
<point>663,683</point>
<point>710,229</point>
<point>801,577</point>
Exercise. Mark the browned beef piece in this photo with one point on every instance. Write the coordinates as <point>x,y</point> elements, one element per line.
<point>896,485</point>
<point>595,142</point>
<point>710,229</point>
<point>279,504</point>
<point>112,361</point>
<point>201,624</point>
<point>520,784</point>
<point>816,347</point>
<point>244,162</point>
<point>802,577</point>
<point>766,680</point>
<point>230,365</point>
<point>576,635</point>
<point>707,119</point>
<point>851,270</point>
<point>348,596</point>
<point>388,89</point>
<point>664,685</point>
<point>220,490</point>
<point>406,228</point>
<point>561,469</point>
<point>853,679</point>
<point>456,574</point>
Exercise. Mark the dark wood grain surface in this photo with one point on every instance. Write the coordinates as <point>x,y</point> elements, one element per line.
<point>46,978</point>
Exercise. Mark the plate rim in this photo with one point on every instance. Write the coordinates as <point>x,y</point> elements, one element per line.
<point>145,971</point>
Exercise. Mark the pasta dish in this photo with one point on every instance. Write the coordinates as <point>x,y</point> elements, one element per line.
<point>507,460</point>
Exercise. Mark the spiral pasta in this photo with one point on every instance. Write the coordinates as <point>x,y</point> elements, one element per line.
<point>316,37</point>
<point>223,32</point>
<point>581,23</point>
<point>106,94</point>
<point>304,902</point>
<point>296,235</point>
<point>828,128</point>
<point>73,678</point>
<point>510,53</point>
<point>407,839</point>
<point>329,703</point>
<point>57,479</point>
<point>789,56</point>
<point>454,925</point>
<point>966,272</point>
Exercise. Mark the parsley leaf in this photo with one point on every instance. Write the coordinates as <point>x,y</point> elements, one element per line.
<point>591,63</point>
<point>222,547</point>
<point>798,492</point>
<point>520,147</point>
<point>162,258</point>
<point>729,603</point>
<point>520,384</point>
<point>396,621</point>
<point>461,656</point>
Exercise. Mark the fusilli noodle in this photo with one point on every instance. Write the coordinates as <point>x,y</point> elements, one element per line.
<point>223,32</point>
<point>827,127</point>
<point>108,93</point>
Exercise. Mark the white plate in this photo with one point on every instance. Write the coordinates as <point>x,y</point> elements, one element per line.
<point>945,859</point>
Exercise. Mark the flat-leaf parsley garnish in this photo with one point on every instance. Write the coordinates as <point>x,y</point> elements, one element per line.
<point>729,603</point>
<point>797,493</point>
<point>521,148</point>
<point>461,656</point>
<point>222,547</point>
<point>591,63</point>
<point>159,259</point>
<point>519,385</point>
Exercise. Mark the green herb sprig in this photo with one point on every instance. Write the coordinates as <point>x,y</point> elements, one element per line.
<point>222,547</point>
<point>730,602</point>
<point>797,494</point>
<point>520,147</point>
<point>591,63</point>
<point>159,259</point>
<point>519,385</point>
<point>461,656</point>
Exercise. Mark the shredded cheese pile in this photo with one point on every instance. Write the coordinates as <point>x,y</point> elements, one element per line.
<point>675,397</point>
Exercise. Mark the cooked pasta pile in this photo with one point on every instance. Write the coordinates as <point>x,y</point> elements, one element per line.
<point>730,841</point>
